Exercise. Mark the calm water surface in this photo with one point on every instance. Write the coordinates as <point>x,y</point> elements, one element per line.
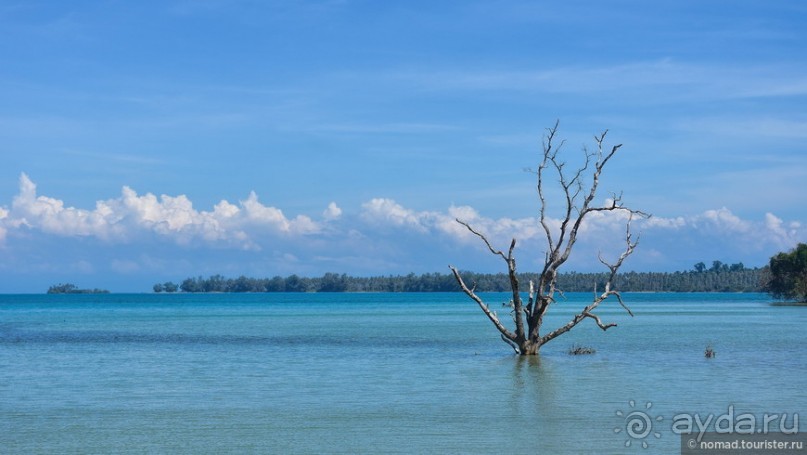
<point>378,373</point>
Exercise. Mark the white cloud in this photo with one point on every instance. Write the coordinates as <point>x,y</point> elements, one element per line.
<point>665,223</point>
<point>255,211</point>
<point>382,211</point>
<point>723,220</point>
<point>387,212</point>
<point>171,217</point>
<point>262,215</point>
<point>788,236</point>
<point>501,230</point>
<point>385,233</point>
<point>724,227</point>
<point>224,210</point>
<point>3,215</point>
<point>333,212</point>
<point>712,232</point>
<point>49,215</point>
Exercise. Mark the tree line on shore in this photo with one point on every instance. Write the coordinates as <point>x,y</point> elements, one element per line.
<point>719,277</point>
<point>70,288</point>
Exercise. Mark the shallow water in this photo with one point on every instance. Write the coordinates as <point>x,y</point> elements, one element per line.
<point>370,373</point>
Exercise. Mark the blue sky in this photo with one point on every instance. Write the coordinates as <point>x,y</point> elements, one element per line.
<point>151,141</point>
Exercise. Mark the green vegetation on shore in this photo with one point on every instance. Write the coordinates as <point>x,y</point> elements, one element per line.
<point>719,278</point>
<point>69,288</point>
<point>788,275</point>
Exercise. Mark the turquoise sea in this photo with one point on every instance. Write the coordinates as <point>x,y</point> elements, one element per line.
<point>380,373</point>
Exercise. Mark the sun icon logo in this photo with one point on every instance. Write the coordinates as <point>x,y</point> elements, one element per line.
<point>638,424</point>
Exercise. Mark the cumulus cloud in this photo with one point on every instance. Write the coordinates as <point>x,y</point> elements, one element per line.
<point>665,241</point>
<point>51,216</point>
<point>383,231</point>
<point>382,211</point>
<point>711,223</point>
<point>333,212</point>
<point>722,224</point>
<point>263,215</point>
<point>387,212</point>
<point>787,236</point>
<point>172,217</point>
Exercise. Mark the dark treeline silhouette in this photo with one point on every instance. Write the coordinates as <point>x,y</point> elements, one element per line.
<point>69,288</point>
<point>719,278</point>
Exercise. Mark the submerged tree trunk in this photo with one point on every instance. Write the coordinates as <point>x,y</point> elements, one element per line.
<point>526,338</point>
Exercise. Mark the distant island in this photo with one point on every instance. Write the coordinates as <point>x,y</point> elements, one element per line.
<point>69,288</point>
<point>720,277</point>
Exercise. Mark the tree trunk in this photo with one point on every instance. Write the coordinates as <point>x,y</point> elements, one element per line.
<point>529,347</point>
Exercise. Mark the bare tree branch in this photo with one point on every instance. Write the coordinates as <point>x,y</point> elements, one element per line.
<point>599,322</point>
<point>511,343</point>
<point>511,270</point>
<point>547,151</point>
<point>490,314</point>
<point>481,236</point>
<point>577,202</point>
<point>607,292</point>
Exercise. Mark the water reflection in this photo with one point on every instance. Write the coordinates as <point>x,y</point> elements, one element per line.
<point>537,399</point>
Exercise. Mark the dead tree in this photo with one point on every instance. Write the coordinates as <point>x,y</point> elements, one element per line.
<point>578,202</point>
